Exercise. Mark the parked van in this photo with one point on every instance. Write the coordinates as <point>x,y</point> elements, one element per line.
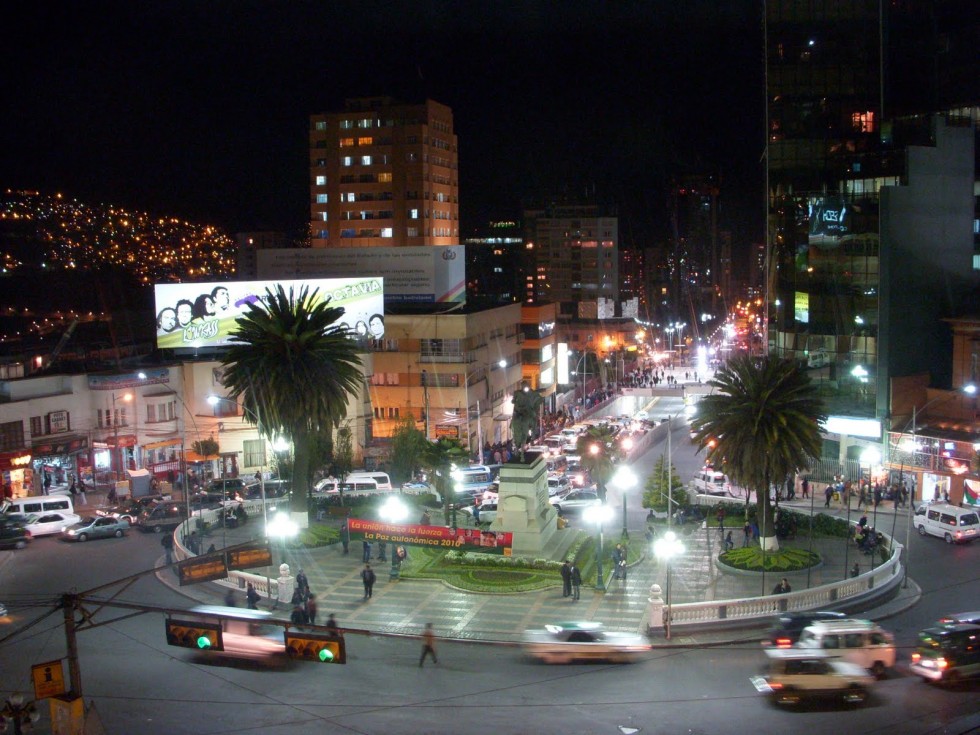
<point>711,482</point>
<point>352,485</point>
<point>862,642</point>
<point>956,525</point>
<point>947,653</point>
<point>381,478</point>
<point>40,504</point>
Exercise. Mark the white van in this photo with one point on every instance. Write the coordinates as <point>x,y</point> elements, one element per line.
<point>862,642</point>
<point>956,525</point>
<point>381,478</point>
<point>38,504</point>
<point>711,482</point>
<point>332,486</point>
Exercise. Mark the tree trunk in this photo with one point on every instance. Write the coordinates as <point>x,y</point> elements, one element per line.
<point>299,508</point>
<point>767,525</point>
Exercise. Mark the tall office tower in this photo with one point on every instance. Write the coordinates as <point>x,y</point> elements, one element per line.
<point>384,174</point>
<point>576,253</point>
<point>693,213</point>
<point>870,200</point>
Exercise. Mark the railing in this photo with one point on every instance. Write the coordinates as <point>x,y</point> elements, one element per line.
<point>752,609</point>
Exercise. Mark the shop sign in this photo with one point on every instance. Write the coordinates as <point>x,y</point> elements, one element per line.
<point>14,461</point>
<point>63,446</point>
<point>444,431</point>
<point>434,537</point>
<point>57,422</point>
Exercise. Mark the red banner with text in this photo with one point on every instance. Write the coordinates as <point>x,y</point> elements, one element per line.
<point>434,537</point>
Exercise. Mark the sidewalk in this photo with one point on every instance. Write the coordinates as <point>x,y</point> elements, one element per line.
<point>403,607</point>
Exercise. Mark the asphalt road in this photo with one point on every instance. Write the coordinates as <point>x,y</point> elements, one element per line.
<point>141,685</point>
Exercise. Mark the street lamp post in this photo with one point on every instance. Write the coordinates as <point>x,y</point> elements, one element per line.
<point>667,547</point>
<point>19,713</point>
<point>597,515</point>
<point>117,455</point>
<point>393,511</point>
<point>625,480</point>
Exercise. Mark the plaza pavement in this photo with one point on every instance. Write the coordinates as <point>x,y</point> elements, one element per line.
<point>403,607</point>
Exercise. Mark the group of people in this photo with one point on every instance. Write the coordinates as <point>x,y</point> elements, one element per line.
<point>866,537</point>
<point>571,580</point>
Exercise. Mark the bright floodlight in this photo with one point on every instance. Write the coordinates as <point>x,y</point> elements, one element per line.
<point>597,514</point>
<point>624,479</point>
<point>393,510</point>
<point>870,456</point>
<point>282,526</point>
<point>668,546</point>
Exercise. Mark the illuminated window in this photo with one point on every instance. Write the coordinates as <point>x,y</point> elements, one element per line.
<point>365,141</point>
<point>386,232</point>
<point>863,122</point>
<point>347,161</point>
<point>321,198</point>
<point>348,197</point>
<point>365,160</point>
<point>413,232</point>
<point>346,142</point>
<point>346,124</point>
<point>413,214</point>
<point>321,180</point>
<point>384,178</point>
<point>365,123</point>
<point>323,216</point>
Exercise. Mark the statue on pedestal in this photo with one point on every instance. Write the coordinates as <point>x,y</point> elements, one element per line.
<point>527,405</point>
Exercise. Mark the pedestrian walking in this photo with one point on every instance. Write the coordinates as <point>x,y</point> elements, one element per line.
<point>382,550</point>
<point>720,515</point>
<point>828,493</point>
<point>311,608</point>
<point>345,537</point>
<point>368,577</point>
<point>619,562</point>
<point>298,615</point>
<point>167,542</point>
<point>729,544</point>
<point>805,487</point>
<point>576,578</point>
<point>366,553</point>
<point>746,534</point>
<point>251,597</point>
<point>856,570</point>
<point>566,579</point>
<point>230,598</point>
<point>428,645</point>
<point>302,584</point>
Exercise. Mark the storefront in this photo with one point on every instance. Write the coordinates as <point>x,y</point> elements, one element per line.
<point>16,474</point>
<point>54,462</point>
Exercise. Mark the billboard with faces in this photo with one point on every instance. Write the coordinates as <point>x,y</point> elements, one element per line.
<point>196,315</point>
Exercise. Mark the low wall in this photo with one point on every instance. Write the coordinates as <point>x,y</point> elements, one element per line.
<point>873,584</point>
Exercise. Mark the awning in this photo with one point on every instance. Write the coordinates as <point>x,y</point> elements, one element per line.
<point>163,443</point>
<point>191,456</point>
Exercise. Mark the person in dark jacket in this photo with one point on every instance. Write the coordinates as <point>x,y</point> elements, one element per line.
<point>368,577</point>
<point>576,579</point>
<point>566,579</point>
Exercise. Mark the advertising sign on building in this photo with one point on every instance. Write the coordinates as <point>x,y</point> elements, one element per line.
<point>435,537</point>
<point>420,275</point>
<point>194,315</point>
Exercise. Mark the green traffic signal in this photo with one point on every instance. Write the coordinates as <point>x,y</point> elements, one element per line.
<point>326,655</point>
<point>203,642</point>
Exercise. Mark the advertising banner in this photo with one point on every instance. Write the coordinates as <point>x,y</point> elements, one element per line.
<point>193,315</point>
<point>434,537</point>
<point>419,275</point>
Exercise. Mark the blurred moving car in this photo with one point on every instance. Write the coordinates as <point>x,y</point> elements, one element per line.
<point>947,653</point>
<point>273,489</point>
<point>3,610</point>
<point>49,523</point>
<point>786,627</point>
<point>95,527</point>
<point>971,618</point>
<point>794,675</point>
<point>576,501</point>
<point>862,642</point>
<point>582,641</point>
<point>130,509</point>
<point>13,535</point>
<point>488,510</point>
<point>162,517</point>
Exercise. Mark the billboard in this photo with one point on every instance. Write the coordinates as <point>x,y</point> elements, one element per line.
<point>437,537</point>
<point>193,315</point>
<point>426,274</point>
<point>829,220</point>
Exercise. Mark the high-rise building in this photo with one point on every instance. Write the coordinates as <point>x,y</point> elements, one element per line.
<point>871,207</point>
<point>384,174</point>
<point>576,253</point>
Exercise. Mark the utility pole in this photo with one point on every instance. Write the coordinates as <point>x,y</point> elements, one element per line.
<point>68,604</point>
<point>425,399</point>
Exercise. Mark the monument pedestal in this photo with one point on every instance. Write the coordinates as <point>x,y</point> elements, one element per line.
<point>522,506</point>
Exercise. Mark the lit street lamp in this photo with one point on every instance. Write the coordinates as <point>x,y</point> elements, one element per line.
<point>393,511</point>
<point>624,480</point>
<point>282,527</point>
<point>597,515</point>
<point>18,713</point>
<point>667,547</point>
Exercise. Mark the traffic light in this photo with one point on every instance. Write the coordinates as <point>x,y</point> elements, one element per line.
<point>328,649</point>
<point>202,636</point>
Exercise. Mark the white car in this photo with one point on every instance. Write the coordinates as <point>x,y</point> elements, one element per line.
<point>45,524</point>
<point>488,511</point>
<point>582,641</point>
<point>793,676</point>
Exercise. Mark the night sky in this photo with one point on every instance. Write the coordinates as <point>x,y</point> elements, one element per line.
<point>200,109</point>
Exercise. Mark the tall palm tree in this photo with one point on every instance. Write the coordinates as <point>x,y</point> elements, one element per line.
<point>597,456</point>
<point>439,457</point>
<point>762,423</point>
<point>295,372</point>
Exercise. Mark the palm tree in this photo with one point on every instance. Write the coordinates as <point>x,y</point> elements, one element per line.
<point>762,422</point>
<point>295,372</point>
<point>439,457</point>
<point>596,456</point>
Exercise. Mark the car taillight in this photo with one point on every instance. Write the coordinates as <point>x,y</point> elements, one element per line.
<point>941,663</point>
<point>916,657</point>
<point>784,643</point>
<point>775,685</point>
